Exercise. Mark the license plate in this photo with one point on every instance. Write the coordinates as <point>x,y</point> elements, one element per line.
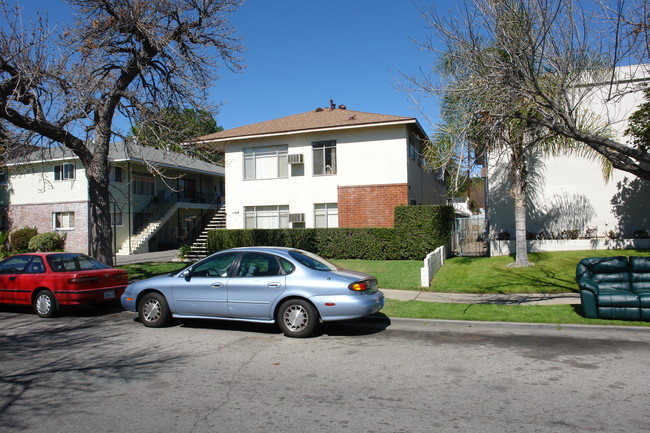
<point>108,294</point>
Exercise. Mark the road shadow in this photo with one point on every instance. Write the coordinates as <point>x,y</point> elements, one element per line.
<point>357,327</point>
<point>92,310</point>
<point>52,366</point>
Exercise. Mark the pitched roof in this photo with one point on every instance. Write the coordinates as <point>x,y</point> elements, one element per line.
<point>125,152</point>
<point>319,119</point>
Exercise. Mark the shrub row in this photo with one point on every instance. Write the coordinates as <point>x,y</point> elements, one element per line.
<point>418,231</point>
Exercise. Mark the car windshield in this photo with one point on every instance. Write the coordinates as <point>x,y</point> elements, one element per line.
<point>312,261</point>
<point>73,262</point>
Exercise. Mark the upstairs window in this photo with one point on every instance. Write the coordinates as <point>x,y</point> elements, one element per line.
<point>142,184</point>
<point>324,153</point>
<point>266,162</point>
<point>116,174</point>
<point>64,172</point>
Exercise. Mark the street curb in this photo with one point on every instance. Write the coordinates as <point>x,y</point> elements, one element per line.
<point>432,326</point>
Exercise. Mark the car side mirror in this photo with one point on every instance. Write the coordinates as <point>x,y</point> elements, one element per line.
<point>187,274</point>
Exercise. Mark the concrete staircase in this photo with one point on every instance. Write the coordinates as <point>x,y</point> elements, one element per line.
<point>199,248</point>
<point>139,239</point>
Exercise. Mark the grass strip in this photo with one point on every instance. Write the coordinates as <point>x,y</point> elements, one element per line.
<point>554,314</point>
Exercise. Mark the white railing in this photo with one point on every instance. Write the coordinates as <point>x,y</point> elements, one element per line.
<point>432,264</point>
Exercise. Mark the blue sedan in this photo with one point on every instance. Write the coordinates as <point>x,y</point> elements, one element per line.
<point>293,288</point>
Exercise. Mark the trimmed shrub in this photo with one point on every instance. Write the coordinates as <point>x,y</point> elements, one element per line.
<point>21,237</point>
<point>418,231</point>
<point>44,242</point>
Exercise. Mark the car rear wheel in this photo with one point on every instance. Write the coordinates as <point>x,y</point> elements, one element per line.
<point>45,304</point>
<point>153,310</point>
<point>297,318</point>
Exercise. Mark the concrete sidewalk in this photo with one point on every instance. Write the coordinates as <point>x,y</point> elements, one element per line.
<point>477,298</point>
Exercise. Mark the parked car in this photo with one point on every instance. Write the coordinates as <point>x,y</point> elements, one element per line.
<point>48,281</point>
<point>294,288</point>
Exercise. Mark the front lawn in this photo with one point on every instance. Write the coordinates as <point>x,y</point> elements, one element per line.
<point>554,272</point>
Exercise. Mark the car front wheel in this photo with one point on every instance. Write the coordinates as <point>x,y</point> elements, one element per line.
<point>153,310</point>
<point>297,318</point>
<point>45,304</point>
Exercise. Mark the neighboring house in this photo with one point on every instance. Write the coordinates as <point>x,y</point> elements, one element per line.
<point>159,200</point>
<point>568,193</point>
<point>330,167</point>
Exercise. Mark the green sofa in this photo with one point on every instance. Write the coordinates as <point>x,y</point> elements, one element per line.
<point>615,287</point>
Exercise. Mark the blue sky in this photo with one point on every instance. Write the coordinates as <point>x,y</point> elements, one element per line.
<point>302,53</point>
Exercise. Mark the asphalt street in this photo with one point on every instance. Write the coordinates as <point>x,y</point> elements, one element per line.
<point>99,370</point>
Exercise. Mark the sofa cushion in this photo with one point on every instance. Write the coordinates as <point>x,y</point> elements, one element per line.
<point>607,265</point>
<point>617,298</point>
<point>640,273</point>
<point>615,281</point>
<point>644,298</point>
<point>618,313</point>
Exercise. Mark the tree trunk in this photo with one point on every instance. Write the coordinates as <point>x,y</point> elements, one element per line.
<point>518,192</point>
<point>100,231</point>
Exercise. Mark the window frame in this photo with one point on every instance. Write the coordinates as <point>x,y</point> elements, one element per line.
<point>253,212</point>
<point>65,171</point>
<point>320,164</point>
<point>251,156</point>
<point>70,221</point>
<point>326,211</point>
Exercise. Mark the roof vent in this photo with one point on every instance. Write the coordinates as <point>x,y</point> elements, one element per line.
<point>342,107</point>
<point>319,109</point>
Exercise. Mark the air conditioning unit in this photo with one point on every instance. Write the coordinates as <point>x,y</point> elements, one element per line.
<point>296,217</point>
<point>295,158</point>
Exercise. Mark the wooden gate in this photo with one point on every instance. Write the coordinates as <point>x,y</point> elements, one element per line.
<point>470,237</point>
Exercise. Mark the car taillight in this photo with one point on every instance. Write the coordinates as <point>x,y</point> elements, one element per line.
<point>359,286</point>
<point>82,280</point>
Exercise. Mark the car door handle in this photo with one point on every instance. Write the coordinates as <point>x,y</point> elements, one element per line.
<point>12,278</point>
<point>217,285</point>
<point>275,284</point>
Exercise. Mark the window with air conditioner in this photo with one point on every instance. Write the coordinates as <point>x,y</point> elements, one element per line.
<point>266,217</point>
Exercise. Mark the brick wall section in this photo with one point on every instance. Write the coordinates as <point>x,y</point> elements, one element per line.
<point>40,216</point>
<point>370,205</point>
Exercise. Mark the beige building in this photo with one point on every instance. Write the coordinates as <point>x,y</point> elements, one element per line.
<point>159,200</point>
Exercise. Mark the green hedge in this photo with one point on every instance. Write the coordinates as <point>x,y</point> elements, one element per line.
<point>418,231</point>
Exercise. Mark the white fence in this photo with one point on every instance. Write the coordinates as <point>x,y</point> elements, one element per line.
<point>504,248</point>
<point>432,263</point>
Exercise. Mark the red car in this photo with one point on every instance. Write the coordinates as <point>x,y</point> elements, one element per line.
<point>51,280</point>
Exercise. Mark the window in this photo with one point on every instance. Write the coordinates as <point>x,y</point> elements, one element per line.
<point>216,266</point>
<point>326,215</point>
<point>258,265</point>
<point>188,187</point>
<point>324,157</point>
<point>64,172</point>
<point>63,220</point>
<point>116,174</point>
<point>142,183</point>
<point>116,219</point>
<point>266,163</point>
<point>266,217</point>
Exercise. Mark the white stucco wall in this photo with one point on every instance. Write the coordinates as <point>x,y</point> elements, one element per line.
<point>365,156</point>
<point>36,185</point>
<point>571,192</point>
